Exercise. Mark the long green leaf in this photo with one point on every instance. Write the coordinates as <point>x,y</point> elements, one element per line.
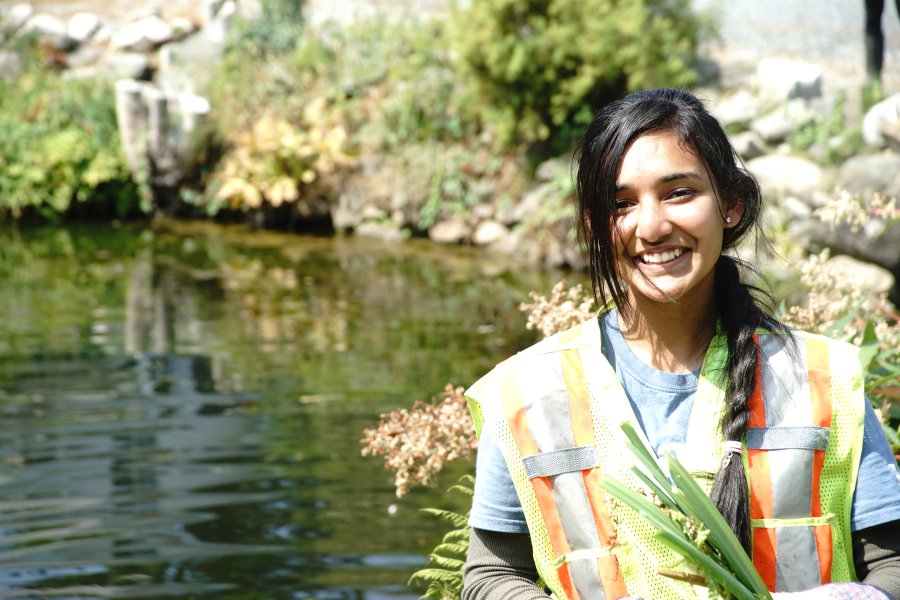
<point>720,534</point>
<point>648,459</point>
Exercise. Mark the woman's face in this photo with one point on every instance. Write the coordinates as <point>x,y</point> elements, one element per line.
<point>669,223</point>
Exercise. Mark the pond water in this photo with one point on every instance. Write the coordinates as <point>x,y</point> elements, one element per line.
<point>182,406</point>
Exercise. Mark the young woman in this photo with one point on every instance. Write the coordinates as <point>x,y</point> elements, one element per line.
<point>772,422</point>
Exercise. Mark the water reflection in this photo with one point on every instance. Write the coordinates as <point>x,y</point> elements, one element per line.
<point>181,406</point>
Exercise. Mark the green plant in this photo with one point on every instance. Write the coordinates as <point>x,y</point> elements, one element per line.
<point>540,69</point>
<point>277,29</point>
<point>831,133</point>
<point>443,576</point>
<point>690,525</point>
<point>60,149</point>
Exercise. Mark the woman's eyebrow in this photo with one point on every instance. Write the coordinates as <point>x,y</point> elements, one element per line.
<point>667,179</point>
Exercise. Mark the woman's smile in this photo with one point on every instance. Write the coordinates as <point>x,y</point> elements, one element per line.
<point>669,222</point>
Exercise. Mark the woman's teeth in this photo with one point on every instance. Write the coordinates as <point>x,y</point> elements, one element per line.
<point>662,257</point>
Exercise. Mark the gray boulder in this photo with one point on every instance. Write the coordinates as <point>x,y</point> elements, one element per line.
<point>82,26</point>
<point>784,79</point>
<point>452,231</point>
<point>871,173</point>
<point>143,35</point>
<point>787,175</point>
<point>782,122</point>
<point>885,113</point>
<point>489,233</point>
<point>127,65</point>
<point>737,109</point>
<point>50,30</point>
<point>11,64</point>
<point>12,18</point>
<point>748,144</point>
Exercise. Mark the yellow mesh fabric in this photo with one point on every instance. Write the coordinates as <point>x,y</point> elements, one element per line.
<point>838,478</point>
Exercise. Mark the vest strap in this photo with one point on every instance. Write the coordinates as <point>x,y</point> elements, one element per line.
<point>784,438</point>
<point>557,462</point>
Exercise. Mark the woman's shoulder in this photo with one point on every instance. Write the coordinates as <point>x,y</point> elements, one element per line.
<point>584,334</point>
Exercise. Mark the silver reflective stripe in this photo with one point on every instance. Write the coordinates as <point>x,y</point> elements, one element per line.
<point>798,563</point>
<point>546,402</point>
<point>781,438</point>
<point>586,578</point>
<point>785,387</point>
<point>557,462</point>
<point>791,472</point>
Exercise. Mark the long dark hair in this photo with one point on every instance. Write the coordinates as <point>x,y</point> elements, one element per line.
<point>597,160</point>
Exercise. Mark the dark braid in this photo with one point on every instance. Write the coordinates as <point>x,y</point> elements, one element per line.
<point>740,317</point>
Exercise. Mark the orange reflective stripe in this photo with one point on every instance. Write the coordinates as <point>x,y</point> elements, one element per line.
<point>760,485</point>
<point>824,550</point>
<point>819,370</point>
<point>565,579</point>
<point>543,492</point>
<point>755,403</point>
<point>516,415</point>
<point>758,460</point>
<point>517,418</point>
<point>764,555</point>
<point>583,429</point>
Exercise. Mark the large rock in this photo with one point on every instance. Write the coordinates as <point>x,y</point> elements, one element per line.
<point>143,35</point>
<point>82,26</point>
<point>784,79</point>
<point>784,121</point>
<point>883,114</point>
<point>489,233</point>
<point>737,109</point>
<point>11,64</point>
<point>748,144</point>
<point>452,231</point>
<point>787,175</point>
<point>12,18</point>
<point>49,30</point>
<point>127,65</point>
<point>185,65</point>
<point>874,243</point>
<point>867,276</point>
<point>871,173</point>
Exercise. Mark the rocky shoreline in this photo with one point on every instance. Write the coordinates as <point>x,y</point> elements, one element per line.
<point>159,63</point>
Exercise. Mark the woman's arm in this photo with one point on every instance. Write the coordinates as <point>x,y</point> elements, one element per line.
<point>500,567</point>
<point>876,555</point>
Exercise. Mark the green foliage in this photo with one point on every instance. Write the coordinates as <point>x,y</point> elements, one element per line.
<point>276,30</point>
<point>830,133</point>
<point>443,576</point>
<point>60,145</point>
<point>541,69</point>
<point>689,524</point>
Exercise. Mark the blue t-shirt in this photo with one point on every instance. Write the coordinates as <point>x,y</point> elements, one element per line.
<point>663,411</point>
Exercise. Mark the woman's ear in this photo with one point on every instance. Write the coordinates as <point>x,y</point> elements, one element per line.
<point>733,213</point>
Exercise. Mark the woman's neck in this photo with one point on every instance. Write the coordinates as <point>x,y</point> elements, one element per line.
<point>669,337</point>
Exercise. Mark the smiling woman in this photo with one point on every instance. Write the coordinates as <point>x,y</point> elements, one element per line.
<point>772,423</point>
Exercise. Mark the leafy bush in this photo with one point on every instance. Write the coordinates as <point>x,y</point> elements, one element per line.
<point>541,69</point>
<point>277,29</point>
<point>60,145</point>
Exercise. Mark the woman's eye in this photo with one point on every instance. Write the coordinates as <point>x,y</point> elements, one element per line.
<point>622,205</point>
<point>681,193</point>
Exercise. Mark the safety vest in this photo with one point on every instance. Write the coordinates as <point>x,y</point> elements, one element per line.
<point>556,411</point>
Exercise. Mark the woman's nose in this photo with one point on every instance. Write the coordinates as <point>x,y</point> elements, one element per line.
<point>652,221</point>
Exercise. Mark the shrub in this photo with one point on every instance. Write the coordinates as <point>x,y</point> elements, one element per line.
<point>60,148</point>
<point>541,69</point>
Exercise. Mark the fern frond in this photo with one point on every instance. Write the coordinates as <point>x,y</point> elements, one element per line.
<point>459,521</point>
<point>457,549</point>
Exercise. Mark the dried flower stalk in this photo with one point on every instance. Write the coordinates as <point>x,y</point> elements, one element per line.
<point>418,442</point>
<point>564,309</point>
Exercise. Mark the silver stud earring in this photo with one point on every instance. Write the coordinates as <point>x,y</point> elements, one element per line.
<point>728,219</point>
